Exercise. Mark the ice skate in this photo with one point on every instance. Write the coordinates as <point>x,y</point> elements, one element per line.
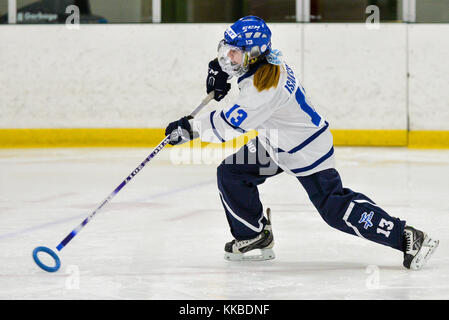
<point>244,250</point>
<point>418,248</point>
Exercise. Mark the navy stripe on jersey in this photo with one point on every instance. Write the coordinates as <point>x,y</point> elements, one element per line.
<point>316,163</point>
<point>213,126</point>
<point>309,139</point>
<point>230,124</point>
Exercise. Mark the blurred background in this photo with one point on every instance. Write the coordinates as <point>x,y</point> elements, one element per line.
<point>200,11</point>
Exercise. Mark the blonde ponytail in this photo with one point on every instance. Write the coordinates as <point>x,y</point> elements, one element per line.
<point>267,76</point>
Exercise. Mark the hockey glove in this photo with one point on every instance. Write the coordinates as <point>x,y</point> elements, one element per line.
<point>217,80</point>
<point>179,131</point>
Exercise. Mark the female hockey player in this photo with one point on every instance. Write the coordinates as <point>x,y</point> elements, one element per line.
<point>292,137</point>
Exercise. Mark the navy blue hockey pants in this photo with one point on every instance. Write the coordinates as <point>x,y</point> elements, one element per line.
<point>352,212</point>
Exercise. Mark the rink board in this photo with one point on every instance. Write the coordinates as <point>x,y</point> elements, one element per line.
<point>114,76</point>
<point>109,85</point>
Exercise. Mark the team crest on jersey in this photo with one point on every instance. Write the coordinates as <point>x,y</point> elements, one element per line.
<point>366,218</point>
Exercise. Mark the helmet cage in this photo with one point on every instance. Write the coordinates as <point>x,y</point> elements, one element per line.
<point>248,58</point>
<point>226,64</point>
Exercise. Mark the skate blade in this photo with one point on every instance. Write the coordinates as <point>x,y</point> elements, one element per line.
<point>265,254</point>
<point>428,248</point>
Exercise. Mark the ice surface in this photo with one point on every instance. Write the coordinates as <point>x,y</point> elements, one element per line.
<point>162,236</point>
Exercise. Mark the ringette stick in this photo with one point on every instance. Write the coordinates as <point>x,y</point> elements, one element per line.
<point>75,231</point>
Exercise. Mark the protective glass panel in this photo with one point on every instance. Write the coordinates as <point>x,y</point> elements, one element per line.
<point>123,11</point>
<point>3,11</point>
<point>432,11</point>
<point>89,11</point>
<point>272,10</point>
<point>354,11</point>
<point>227,11</point>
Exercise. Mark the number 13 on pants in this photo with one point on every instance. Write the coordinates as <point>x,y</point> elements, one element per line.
<point>384,224</point>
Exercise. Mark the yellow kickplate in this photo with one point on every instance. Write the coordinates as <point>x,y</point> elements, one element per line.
<point>369,137</point>
<point>90,137</point>
<point>429,139</point>
<point>150,137</point>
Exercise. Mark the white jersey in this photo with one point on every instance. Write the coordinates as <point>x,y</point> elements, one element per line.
<point>296,137</point>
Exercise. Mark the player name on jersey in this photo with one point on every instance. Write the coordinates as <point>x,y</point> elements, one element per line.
<point>290,83</point>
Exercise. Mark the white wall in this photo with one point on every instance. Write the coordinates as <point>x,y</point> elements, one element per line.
<point>102,75</point>
<point>357,76</point>
<point>144,75</point>
<point>429,77</point>
<point>109,75</point>
<point>117,11</point>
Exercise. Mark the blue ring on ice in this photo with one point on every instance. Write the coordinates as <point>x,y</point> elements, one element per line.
<point>52,254</point>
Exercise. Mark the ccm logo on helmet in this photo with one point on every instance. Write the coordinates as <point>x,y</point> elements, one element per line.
<point>245,28</point>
